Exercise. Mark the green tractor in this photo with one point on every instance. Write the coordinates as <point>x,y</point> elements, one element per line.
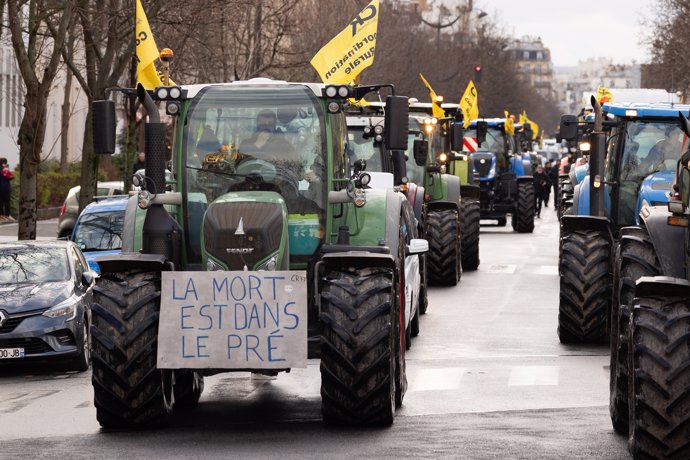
<point>451,195</point>
<point>269,250</point>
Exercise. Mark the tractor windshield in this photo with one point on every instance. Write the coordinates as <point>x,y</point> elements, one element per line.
<point>256,138</point>
<point>494,140</point>
<point>364,148</point>
<point>650,146</point>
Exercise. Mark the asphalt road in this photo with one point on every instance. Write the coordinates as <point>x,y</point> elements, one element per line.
<point>487,379</point>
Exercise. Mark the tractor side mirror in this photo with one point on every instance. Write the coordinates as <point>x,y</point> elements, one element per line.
<point>103,127</point>
<point>420,151</point>
<point>397,122</point>
<point>482,129</point>
<point>457,136</point>
<point>399,167</point>
<point>568,128</point>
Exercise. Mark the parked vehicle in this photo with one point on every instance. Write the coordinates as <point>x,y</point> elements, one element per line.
<point>70,207</point>
<point>98,230</point>
<point>46,290</point>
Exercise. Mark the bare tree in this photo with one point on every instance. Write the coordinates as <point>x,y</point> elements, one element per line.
<point>38,58</point>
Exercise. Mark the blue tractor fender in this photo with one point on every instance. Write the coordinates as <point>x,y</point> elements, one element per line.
<point>665,239</point>
<point>581,198</point>
<point>580,173</point>
<point>520,166</point>
<point>654,191</point>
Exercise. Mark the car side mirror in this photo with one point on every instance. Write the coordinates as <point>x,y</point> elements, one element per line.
<point>88,277</point>
<point>417,246</point>
<point>420,151</point>
<point>568,128</point>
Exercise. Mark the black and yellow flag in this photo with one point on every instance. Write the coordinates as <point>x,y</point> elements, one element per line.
<point>147,51</point>
<point>436,109</point>
<point>351,51</point>
<point>469,104</point>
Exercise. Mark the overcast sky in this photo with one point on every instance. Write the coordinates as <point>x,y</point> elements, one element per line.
<point>577,30</point>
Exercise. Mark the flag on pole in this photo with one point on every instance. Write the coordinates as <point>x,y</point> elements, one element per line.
<point>604,95</point>
<point>509,125</point>
<point>436,109</point>
<point>469,104</point>
<point>146,50</point>
<point>533,125</point>
<point>342,59</point>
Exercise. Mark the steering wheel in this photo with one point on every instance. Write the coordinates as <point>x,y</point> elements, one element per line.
<point>262,175</point>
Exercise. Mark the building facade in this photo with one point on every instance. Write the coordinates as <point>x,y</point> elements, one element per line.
<point>534,64</point>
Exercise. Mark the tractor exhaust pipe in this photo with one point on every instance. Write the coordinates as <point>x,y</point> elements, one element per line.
<point>597,162</point>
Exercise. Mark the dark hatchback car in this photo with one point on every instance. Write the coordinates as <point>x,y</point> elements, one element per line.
<point>46,290</point>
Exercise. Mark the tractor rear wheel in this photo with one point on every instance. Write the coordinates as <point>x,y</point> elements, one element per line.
<point>470,214</point>
<point>660,378</point>
<point>585,292</point>
<point>189,385</point>
<point>635,258</point>
<point>358,346</point>
<point>128,388</point>
<point>444,264</point>
<point>523,217</point>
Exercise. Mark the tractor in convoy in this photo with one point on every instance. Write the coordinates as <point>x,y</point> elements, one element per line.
<point>270,249</point>
<point>650,331</point>
<point>505,175</point>
<point>632,149</point>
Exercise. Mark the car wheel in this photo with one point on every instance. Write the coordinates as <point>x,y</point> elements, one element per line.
<point>83,361</point>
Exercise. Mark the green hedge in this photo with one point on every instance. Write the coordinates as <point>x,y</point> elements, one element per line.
<point>52,189</point>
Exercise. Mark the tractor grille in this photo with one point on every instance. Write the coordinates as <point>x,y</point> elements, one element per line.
<point>482,168</point>
<point>262,224</point>
<point>31,345</point>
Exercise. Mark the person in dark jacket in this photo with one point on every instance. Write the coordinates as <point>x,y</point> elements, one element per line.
<point>553,178</point>
<point>541,185</point>
<point>140,164</point>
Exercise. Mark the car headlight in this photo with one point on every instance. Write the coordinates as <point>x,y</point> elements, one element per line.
<point>66,308</point>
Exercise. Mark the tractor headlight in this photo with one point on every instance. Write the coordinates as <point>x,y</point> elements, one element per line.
<point>269,264</point>
<point>67,307</point>
<point>492,171</point>
<point>212,266</point>
<point>442,158</point>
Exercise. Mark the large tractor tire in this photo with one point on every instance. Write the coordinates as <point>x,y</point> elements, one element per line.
<point>129,390</point>
<point>358,346</point>
<point>470,213</point>
<point>423,288</point>
<point>635,258</point>
<point>523,217</point>
<point>585,291</point>
<point>660,378</point>
<point>444,259</point>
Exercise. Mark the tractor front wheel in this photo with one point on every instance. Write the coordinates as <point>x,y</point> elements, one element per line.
<point>128,388</point>
<point>358,346</point>
<point>444,264</point>
<point>470,213</point>
<point>523,217</point>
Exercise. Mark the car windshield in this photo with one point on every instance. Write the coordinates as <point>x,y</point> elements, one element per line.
<point>33,265</point>
<point>100,231</point>
<point>250,138</point>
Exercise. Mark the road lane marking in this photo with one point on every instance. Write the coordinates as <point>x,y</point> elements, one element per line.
<point>533,375</point>
<point>447,378</point>
<point>547,270</point>
<point>502,269</point>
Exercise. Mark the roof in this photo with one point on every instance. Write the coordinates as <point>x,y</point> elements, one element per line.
<point>117,203</point>
<point>193,90</point>
<point>646,109</point>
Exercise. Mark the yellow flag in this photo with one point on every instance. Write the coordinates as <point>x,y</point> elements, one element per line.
<point>352,50</point>
<point>147,51</point>
<point>436,109</point>
<point>604,95</point>
<point>533,125</point>
<point>469,104</point>
<point>509,125</point>
<point>541,139</point>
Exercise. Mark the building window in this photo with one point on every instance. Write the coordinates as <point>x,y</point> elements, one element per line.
<point>540,56</point>
<point>525,55</point>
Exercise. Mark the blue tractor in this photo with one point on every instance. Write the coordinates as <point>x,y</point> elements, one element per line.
<point>633,149</point>
<point>650,351</point>
<point>505,176</point>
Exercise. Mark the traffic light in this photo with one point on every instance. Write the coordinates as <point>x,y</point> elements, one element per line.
<point>477,73</point>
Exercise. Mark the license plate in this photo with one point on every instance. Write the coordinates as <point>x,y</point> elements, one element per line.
<point>10,353</point>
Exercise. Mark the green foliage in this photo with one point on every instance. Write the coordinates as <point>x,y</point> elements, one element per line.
<point>52,189</point>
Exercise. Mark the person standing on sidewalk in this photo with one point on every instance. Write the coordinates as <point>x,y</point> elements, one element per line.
<point>553,178</point>
<point>5,189</point>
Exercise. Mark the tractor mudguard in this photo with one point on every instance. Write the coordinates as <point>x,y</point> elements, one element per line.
<point>335,255</point>
<point>118,263</point>
<point>662,286</point>
<point>665,239</point>
<point>574,223</point>
<point>453,189</point>
<point>471,192</point>
<point>525,179</point>
<point>442,205</point>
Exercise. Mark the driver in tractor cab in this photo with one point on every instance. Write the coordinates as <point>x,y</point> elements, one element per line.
<point>665,152</point>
